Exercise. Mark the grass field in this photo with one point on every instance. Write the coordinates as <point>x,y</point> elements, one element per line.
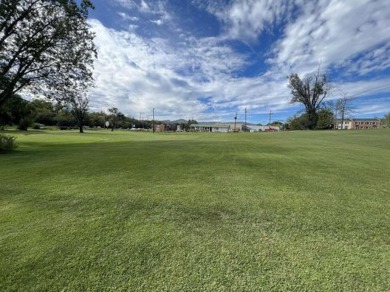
<point>122,211</point>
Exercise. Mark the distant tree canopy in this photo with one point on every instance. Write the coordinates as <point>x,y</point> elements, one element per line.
<point>45,46</point>
<point>386,120</point>
<point>45,112</point>
<point>17,111</point>
<point>310,92</point>
<point>73,114</point>
<point>325,120</point>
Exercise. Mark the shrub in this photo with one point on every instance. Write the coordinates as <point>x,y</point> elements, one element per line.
<point>24,123</point>
<point>7,143</point>
<point>38,126</point>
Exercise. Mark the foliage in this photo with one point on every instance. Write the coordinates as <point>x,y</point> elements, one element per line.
<point>276,123</point>
<point>37,126</point>
<point>310,92</point>
<point>186,126</point>
<point>45,46</point>
<point>114,117</point>
<point>45,112</point>
<point>79,109</point>
<point>7,143</point>
<point>385,122</point>
<point>19,111</point>
<point>97,119</point>
<point>65,119</point>
<point>325,119</point>
<point>298,122</point>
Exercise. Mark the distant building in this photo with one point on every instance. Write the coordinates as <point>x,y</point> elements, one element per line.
<point>220,128</point>
<point>224,128</point>
<point>253,128</point>
<point>159,128</point>
<point>237,127</point>
<point>358,124</point>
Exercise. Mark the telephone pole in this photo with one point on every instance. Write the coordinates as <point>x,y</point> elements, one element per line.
<point>245,122</point>
<point>269,124</point>
<point>153,121</point>
<point>235,122</point>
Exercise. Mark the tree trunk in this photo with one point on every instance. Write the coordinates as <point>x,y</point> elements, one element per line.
<point>81,128</point>
<point>313,118</point>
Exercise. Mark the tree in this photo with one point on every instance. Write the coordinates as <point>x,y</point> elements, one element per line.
<point>386,121</point>
<point>325,119</point>
<point>342,108</point>
<point>17,111</point>
<point>97,119</point>
<point>65,118</point>
<point>114,115</point>
<point>45,112</point>
<point>298,122</point>
<point>310,91</point>
<point>44,46</point>
<point>79,105</point>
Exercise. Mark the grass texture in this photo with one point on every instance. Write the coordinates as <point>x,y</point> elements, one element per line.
<point>124,211</point>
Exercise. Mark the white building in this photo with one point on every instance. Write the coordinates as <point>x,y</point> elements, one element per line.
<point>220,128</point>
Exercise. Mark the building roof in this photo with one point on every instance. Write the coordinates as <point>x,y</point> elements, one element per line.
<point>353,119</point>
<point>372,119</point>
<point>210,125</point>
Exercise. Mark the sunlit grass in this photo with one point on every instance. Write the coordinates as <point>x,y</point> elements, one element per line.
<point>304,211</point>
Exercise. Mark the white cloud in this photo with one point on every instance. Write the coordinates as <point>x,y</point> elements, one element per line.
<point>362,88</point>
<point>137,75</point>
<point>144,6</point>
<point>338,33</point>
<point>247,19</point>
<point>370,109</point>
<point>197,77</point>
<point>125,16</point>
<point>157,22</point>
<point>130,4</point>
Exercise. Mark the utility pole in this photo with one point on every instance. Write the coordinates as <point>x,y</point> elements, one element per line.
<point>269,124</point>
<point>235,122</point>
<point>153,121</point>
<point>140,118</point>
<point>245,122</point>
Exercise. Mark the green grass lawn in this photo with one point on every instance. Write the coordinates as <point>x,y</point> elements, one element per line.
<point>123,211</point>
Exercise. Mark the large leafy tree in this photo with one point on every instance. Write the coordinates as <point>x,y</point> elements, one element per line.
<point>310,92</point>
<point>45,46</point>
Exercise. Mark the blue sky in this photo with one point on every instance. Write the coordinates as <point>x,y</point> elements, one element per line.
<point>208,59</point>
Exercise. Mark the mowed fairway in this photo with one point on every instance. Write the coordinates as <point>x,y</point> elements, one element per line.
<point>124,211</point>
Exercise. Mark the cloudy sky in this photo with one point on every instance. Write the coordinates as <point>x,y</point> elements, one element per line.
<point>208,59</point>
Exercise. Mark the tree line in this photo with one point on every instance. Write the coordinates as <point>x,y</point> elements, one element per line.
<point>39,113</point>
